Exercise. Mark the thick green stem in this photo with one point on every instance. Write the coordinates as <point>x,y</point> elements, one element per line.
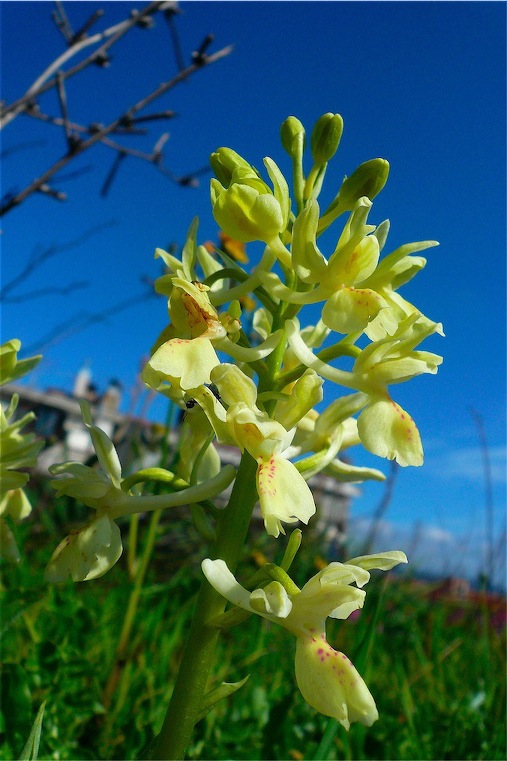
<point>232,529</point>
<point>198,655</point>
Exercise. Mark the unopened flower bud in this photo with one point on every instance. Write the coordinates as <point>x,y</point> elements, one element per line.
<point>326,137</point>
<point>224,161</point>
<point>293,136</point>
<point>247,210</point>
<point>304,395</point>
<point>367,180</point>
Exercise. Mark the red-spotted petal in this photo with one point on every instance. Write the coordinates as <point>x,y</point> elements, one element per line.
<point>329,682</point>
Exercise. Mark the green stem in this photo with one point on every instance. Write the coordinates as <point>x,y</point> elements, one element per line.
<point>132,548</point>
<point>198,655</point>
<point>128,621</point>
<point>299,180</point>
<point>232,529</point>
<point>197,493</point>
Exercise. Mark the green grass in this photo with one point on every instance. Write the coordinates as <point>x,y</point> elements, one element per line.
<point>436,669</point>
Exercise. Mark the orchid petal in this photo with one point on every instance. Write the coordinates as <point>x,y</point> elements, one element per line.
<point>309,264</point>
<point>284,494</point>
<point>329,683</point>
<point>87,553</point>
<point>221,579</point>
<point>308,358</point>
<point>249,354</point>
<point>273,600</point>
<point>383,561</point>
<point>388,431</point>
<point>187,361</point>
<point>234,386</point>
<point>351,309</point>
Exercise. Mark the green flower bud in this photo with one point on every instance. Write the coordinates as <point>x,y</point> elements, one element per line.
<point>293,136</point>
<point>367,180</point>
<point>326,137</point>
<point>224,161</point>
<point>305,394</point>
<point>247,210</point>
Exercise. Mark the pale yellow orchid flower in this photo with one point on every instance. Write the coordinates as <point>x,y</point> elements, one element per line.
<point>326,678</point>
<point>284,495</point>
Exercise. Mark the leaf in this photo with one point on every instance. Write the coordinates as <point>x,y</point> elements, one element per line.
<point>13,610</point>
<point>31,749</point>
<point>218,693</point>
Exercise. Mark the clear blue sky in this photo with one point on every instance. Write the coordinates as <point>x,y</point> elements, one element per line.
<point>420,84</point>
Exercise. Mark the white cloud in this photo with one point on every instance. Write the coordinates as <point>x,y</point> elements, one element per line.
<point>468,464</point>
<point>436,534</point>
<point>430,549</point>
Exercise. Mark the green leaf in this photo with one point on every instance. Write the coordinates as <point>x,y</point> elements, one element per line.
<point>189,250</point>
<point>218,693</point>
<point>31,749</point>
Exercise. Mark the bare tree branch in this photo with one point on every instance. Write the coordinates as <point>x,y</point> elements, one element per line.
<point>62,22</point>
<point>6,152</point>
<point>92,129</point>
<point>169,14</point>
<point>39,256</point>
<point>84,145</point>
<point>80,138</point>
<point>83,320</point>
<point>82,32</point>
<point>72,139</point>
<point>44,82</point>
<point>50,290</point>
<point>199,55</point>
<point>111,175</point>
<point>47,190</point>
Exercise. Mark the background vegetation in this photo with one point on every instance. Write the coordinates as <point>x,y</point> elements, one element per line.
<point>435,664</point>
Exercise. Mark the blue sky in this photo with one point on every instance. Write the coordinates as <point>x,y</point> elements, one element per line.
<point>420,84</point>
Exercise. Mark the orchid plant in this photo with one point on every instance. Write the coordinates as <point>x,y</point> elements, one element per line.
<point>291,386</point>
<point>18,451</point>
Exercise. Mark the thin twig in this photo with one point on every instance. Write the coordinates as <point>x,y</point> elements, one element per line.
<point>62,22</point>
<point>35,260</point>
<point>83,145</point>
<point>50,290</point>
<point>169,14</point>
<point>199,55</point>
<point>82,32</point>
<point>168,114</point>
<point>62,100</point>
<point>112,174</point>
<point>92,129</point>
<point>46,80</point>
<point>71,326</point>
<point>123,150</point>
<point>47,190</point>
